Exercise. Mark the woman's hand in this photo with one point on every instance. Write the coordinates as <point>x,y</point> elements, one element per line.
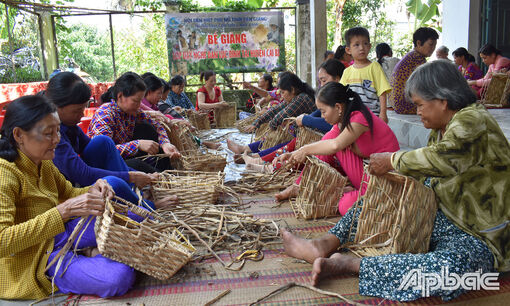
<point>171,200</point>
<point>282,159</point>
<point>222,104</point>
<point>149,146</point>
<point>247,85</point>
<point>170,150</point>
<point>178,109</point>
<point>297,157</point>
<point>250,128</point>
<point>83,205</point>
<point>103,189</point>
<point>299,120</point>
<point>380,163</point>
<point>141,179</point>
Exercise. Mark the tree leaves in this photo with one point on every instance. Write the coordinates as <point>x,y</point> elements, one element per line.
<point>423,12</point>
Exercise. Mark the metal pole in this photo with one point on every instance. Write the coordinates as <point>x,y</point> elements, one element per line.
<point>10,42</point>
<point>113,48</point>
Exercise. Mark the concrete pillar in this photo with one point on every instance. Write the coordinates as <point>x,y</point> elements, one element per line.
<point>319,39</point>
<point>48,48</point>
<point>303,35</point>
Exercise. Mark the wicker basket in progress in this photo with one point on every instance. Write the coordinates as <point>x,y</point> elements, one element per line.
<point>320,190</point>
<point>226,116</point>
<point>306,136</point>
<point>149,246</point>
<point>198,120</point>
<point>495,91</point>
<point>275,137</point>
<point>182,138</point>
<point>261,132</point>
<point>397,216</point>
<point>243,124</point>
<point>202,161</point>
<point>191,187</point>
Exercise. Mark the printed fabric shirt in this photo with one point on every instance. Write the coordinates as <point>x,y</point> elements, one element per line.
<point>181,100</point>
<point>398,80</point>
<point>29,220</point>
<point>300,104</point>
<point>68,161</point>
<point>368,82</point>
<point>469,167</point>
<point>111,121</point>
<point>472,71</point>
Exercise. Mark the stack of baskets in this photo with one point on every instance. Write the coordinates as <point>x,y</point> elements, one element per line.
<point>225,117</point>
<point>151,245</point>
<point>497,91</point>
<point>306,136</point>
<point>191,187</point>
<point>320,190</point>
<point>397,216</point>
<point>199,120</point>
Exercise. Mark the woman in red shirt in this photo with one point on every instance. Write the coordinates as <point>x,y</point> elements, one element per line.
<point>209,96</point>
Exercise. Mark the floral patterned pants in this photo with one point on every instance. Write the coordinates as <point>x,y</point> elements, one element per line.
<point>450,247</point>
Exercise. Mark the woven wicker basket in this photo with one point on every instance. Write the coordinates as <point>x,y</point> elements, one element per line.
<point>202,161</point>
<point>191,187</point>
<point>397,217</point>
<point>306,136</point>
<point>275,137</point>
<point>198,120</point>
<point>505,97</point>
<point>182,138</point>
<point>241,125</point>
<point>494,93</point>
<point>225,117</point>
<point>150,246</point>
<point>261,132</point>
<point>320,190</point>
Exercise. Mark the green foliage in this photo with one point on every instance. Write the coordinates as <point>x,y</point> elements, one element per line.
<point>223,6</point>
<point>369,14</point>
<point>89,47</point>
<point>26,74</point>
<point>424,12</point>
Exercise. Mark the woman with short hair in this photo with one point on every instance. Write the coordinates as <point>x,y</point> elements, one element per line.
<point>467,165</point>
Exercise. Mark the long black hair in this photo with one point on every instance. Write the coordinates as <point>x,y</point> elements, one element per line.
<point>128,84</point>
<point>268,78</point>
<point>489,50</point>
<point>24,113</point>
<point>333,93</point>
<point>67,88</point>
<point>205,75</point>
<point>382,50</point>
<point>289,80</point>
<point>464,52</point>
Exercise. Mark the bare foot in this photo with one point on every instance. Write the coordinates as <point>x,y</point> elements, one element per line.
<point>309,250</point>
<point>334,265</point>
<point>289,192</point>
<point>211,145</point>
<point>91,252</point>
<point>252,160</point>
<point>166,201</point>
<point>236,148</point>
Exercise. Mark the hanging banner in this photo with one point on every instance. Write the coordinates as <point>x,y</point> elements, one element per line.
<point>225,42</point>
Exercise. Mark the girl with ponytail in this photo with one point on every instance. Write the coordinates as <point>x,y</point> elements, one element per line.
<point>356,133</point>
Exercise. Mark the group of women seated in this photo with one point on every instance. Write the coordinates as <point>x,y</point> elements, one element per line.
<point>44,155</point>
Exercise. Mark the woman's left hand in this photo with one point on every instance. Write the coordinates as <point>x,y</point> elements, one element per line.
<point>380,163</point>
<point>170,150</point>
<point>103,189</point>
<point>299,120</point>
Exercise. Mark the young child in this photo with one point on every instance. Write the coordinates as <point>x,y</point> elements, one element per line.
<point>364,77</point>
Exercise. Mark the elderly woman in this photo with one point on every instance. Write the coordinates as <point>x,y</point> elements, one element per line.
<point>37,207</point>
<point>466,163</point>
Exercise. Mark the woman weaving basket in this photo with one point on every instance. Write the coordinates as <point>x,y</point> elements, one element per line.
<point>37,207</point>
<point>468,162</point>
